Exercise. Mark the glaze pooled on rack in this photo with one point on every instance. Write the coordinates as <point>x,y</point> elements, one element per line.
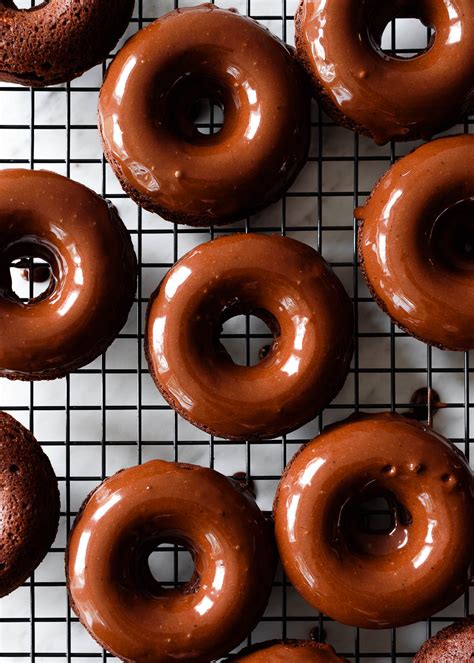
<point>386,97</point>
<point>93,275</point>
<point>416,242</point>
<point>110,583</point>
<point>157,152</point>
<point>291,288</point>
<point>59,39</point>
<point>453,644</point>
<point>328,550</point>
<point>29,504</point>
<point>281,651</point>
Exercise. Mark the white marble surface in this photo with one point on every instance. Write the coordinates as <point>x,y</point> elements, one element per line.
<point>84,452</point>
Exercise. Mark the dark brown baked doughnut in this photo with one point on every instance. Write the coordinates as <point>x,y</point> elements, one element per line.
<point>161,159</point>
<point>113,591</point>
<point>453,644</point>
<point>290,287</point>
<point>59,39</point>
<point>281,651</point>
<point>413,568</point>
<point>29,504</point>
<point>385,97</point>
<point>93,280</point>
<point>416,242</point>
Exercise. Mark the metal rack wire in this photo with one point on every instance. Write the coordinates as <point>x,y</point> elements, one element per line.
<point>108,414</point>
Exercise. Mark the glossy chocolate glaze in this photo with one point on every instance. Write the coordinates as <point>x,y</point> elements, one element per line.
<point>111,587</point>
<point>453,644</point>
<point>148,135</point>
<point>58,39</point>
<point>296,651</point>
<point>406,573</point>
<point>93,281</point>
<point>385,97</point>
<point>29,504</point>
<point>417,242</point>
<point>289,286</point>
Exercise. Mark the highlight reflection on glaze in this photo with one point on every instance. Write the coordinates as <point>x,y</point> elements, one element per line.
<point>338,41</point>
<point>148,132</point>
<point>129,612</point>
<point>328,552</point>
<point>416,239</point>
<point>289,286</point>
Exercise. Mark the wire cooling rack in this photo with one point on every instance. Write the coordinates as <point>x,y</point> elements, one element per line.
<point>109,415</point>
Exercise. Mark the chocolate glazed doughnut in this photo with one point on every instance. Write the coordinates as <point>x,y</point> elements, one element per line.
<point>290,287</point>
<point>59,39</point>
<point>416,242</point>
<point>113,591</point>
<point>29,504</point>
<point>453,644</point>
<point>281,651</point>
<point>354,573</point>
<point>382,96</point>
<point>149,138</point>
<point>93,275</point>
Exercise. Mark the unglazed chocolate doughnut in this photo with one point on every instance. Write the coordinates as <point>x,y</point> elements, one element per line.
<point>59,39</point>
<point>145,116</point>
<point>290,287</point>
<point>385,97</point>
<point>345,568</point>
<point>417,242</point>
<point>110,584</point>
<point>29,504</point>
<point>93,275</point>
<point>281,651</point>
<point>453,644</point>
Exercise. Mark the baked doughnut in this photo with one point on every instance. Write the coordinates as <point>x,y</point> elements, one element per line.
<point>283,282</point>
<point>93,275</point>
<point>382,96</point>
<point>281,651</point>
<point>453,644</point>
<point>59,39</point>
<point>29,504</point>
<point>329,550</point>
<point>416,243</point>
<point>158,154</point>
<point>125,608</point>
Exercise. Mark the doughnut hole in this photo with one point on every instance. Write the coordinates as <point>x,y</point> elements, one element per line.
<point>248,339</point>
<point>451,237</point>
<point>153,564</point>
<point>29,271</point>
<point>373,522</point>
<point>401,35</point>
<point>171,565</point>
<point>30,278</point>
<point>207,116</point>
<point>204,107</point>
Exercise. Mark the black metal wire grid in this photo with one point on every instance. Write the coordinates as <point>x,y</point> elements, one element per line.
<point>119,422</point>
